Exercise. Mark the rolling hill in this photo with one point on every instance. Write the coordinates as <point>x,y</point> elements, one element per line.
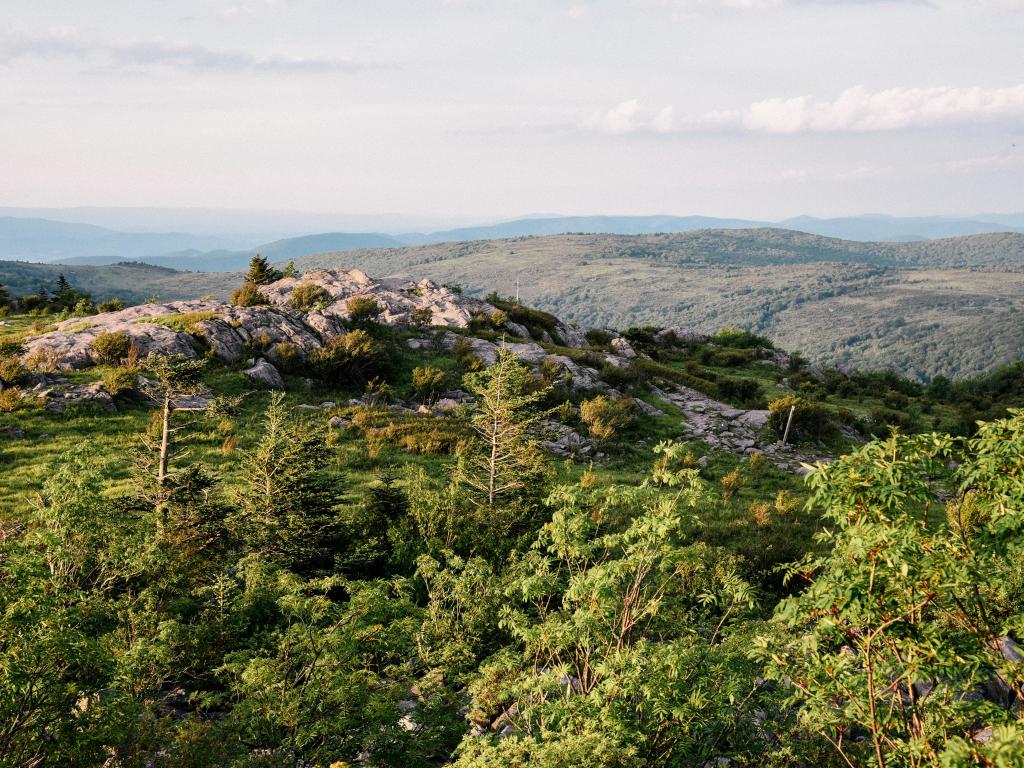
<point>949,306</point>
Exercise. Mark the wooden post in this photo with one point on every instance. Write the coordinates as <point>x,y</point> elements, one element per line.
<point>789,421</point>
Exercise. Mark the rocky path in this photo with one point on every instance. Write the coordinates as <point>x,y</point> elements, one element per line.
<point>725,428</point>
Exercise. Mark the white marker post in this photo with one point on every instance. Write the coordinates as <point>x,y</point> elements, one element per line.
<point>789,421</point>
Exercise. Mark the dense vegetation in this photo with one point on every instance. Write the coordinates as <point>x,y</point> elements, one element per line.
<point>265,583</point>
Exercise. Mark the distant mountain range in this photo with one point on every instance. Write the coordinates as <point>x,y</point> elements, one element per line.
<point>47,240</point>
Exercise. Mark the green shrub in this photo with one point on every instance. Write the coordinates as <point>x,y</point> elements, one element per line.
<point>248,295</point>
<point>420,317</point>
<point>111,305</point>
<point>119,380</point>
<point>10,400</point>
<point>307,296</point>
<point>363,310</point>
<point>348,359</point>
<point>606,416</point>
<point>427,382</point>
<point>740,338</point>
<point>599,338</point>
<point>12,371</point>
<point>744,393</point>
<point>112,347</point>
<point>810,420</point>
<point>287,356</point>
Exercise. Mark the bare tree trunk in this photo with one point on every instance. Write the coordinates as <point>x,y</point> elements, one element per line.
<point>165,441</point>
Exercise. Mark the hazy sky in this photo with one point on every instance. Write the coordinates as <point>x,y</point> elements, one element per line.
<point>760,108</point>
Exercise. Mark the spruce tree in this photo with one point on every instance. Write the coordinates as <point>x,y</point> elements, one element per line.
<point>287,507</point>
<point>260,272</point>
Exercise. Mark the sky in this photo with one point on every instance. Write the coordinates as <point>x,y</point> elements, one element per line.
<point>480,108</point>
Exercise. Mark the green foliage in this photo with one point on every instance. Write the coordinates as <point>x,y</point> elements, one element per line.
<point>606,416</point>
<point>111,347</point>
<point>351,358</point>
<point>420,317</point>
<point>260,272</point>
<point>363,310</point>
<point>503,467</point>
<point>427,382</point>
<point>740,338</point>
<point>307,296</point>
<point>286,511</point>
<point>111,305</point>
<point>810,420</point>
<point>12,372</point>
<point>904,617</point>
<point>117,381</point>
<point>623,652</point>
<point>248,295</point>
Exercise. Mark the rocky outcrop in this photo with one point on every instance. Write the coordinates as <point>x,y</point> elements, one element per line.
<point>231,333</point>
<point>725,428</point>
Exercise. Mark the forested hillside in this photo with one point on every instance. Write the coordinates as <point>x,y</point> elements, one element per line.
<point>948,307</point>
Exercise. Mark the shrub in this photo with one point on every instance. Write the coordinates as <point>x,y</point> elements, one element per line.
<point>604,416</point>
<point>111,347</point>
<point>84,306</point>
<point>745,393</point>
<point>287,356</point>
<point>810,420</point>
<point>731,483</point>
<point>349,358</point>
<point>363,310</point>
<point>466,358</point>
<point>621,377</point>
<point>307,296</point>
<point>248,295</point>
<point>120,380</point>
<point>111,305</point>
<point>598,338</point>
<point>427,382</point>
<point>421,317</point>
<point>740,338</point>
<point>10,400</point>
<point>43,360</point>
<point>11,371</point>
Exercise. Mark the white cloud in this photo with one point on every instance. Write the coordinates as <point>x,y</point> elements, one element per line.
<point>631,117</point>
<point>1002,160</point>
<point>168,53</point>
<point>856,109</point>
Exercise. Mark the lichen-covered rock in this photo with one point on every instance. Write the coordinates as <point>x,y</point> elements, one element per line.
<point>266,374</point>
<point>191,328</point>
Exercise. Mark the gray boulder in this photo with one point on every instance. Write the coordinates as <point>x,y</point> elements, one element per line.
<point>266,374</point>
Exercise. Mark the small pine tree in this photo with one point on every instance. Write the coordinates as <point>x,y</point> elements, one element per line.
<point>260,272</point>
<point>287,507</point>
<point>505,460</point>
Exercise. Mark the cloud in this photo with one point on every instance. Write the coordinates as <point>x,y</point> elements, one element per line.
<point>165,53</point>
<point>630,117</point>
<point>858,109</point>
<point>1002,160</point>
<point>855,110</point>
